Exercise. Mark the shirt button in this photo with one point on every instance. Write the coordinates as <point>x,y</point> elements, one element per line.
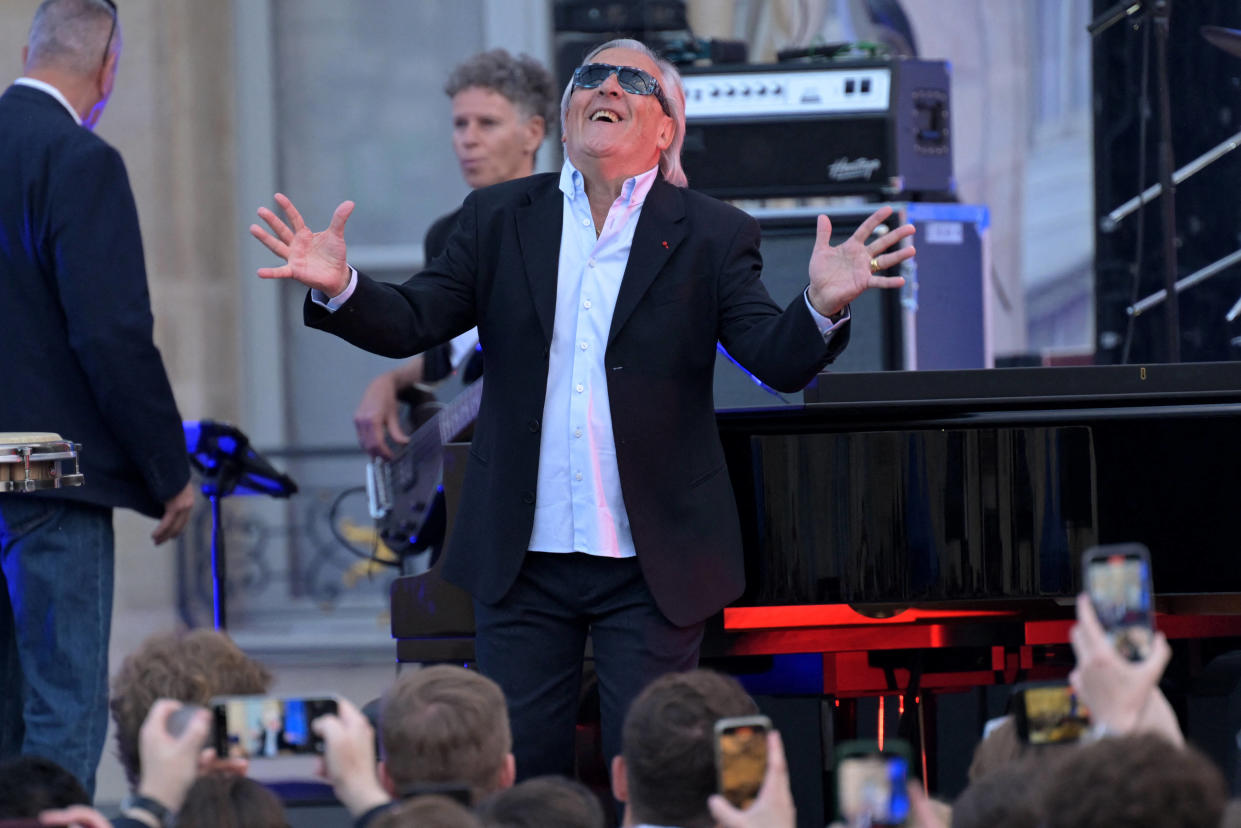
<point>590,263</point>
<point>585,222</point>
<point>579,388</point>
<point>585,345</point>
<point>577,476</point>
<point>586,304</point>
<point>577,433</point>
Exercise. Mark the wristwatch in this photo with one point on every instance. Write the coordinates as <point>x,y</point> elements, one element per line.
<point>138,802</point>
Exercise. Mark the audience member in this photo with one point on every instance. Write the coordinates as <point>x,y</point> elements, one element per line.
<point>226,800</point>
<point>430,811</point>
<point>189,667</point>
<point>543,802</point>
<point>1010,795</point>
<point>1139,781</point>
<point>32,784</point>
<point>1003,746</point>
<point>666,770</point>
<point>1123,696</point>
<point>445,725</point>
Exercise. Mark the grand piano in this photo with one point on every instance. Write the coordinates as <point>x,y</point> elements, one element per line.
<point>914,532</point>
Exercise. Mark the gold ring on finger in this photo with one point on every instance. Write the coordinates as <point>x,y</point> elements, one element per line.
<point>874,266</point>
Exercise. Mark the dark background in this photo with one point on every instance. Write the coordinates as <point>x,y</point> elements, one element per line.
<point>1205,85</point>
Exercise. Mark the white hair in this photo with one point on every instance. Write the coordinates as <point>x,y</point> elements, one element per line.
<point>674,96</point>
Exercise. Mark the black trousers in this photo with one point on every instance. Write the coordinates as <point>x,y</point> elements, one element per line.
<point>532,644</point>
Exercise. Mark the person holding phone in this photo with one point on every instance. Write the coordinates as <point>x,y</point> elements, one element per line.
<point>1123,695</point>
<point>667,770</point>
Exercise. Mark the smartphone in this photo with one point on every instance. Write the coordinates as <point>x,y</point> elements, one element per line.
<point>1049,713</point>
<point>261,727</point>
<point>741,757</point>
<point>1117,578</point>
<point>871,784</point>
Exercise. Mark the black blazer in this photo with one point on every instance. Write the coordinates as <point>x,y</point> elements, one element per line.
<point>692,279</point>
<point>78,354</point>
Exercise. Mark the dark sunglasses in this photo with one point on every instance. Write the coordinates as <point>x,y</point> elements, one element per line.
<point>111,32</point>
<point>632,79</point>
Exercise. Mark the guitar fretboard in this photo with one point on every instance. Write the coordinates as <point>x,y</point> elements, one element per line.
<point>460,412</point>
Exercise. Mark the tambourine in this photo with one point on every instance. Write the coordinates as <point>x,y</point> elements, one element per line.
<point>31,461</point>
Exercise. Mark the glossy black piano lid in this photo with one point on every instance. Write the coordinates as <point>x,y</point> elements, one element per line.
<point>927,503</point>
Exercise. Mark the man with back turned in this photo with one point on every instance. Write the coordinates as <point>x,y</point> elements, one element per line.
<point>80,362</point>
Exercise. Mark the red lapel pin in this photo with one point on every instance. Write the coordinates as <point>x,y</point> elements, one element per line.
<point>665,244</point>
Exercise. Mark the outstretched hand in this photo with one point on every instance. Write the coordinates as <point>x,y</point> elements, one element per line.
<point>840,274</point>
<point>317,260</point>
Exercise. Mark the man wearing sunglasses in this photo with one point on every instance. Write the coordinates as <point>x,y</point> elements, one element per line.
<point>596,498</point>
<point>79,361</point>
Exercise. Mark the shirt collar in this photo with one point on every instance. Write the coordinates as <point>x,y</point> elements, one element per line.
<point>633,191</point>
<point>51,90</point>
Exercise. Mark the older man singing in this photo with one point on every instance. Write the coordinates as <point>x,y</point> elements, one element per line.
<point>596,499</point>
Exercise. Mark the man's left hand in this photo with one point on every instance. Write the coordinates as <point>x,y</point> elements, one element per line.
<point>840,274</point>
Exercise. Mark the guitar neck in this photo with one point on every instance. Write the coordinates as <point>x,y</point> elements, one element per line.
<point>460,412</point>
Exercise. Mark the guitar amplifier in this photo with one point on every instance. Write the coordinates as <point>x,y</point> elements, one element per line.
<point>860,127</point>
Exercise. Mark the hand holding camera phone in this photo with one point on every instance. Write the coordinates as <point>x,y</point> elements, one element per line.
<point>741,757</point>
<point>1118,580</point>
<point>1049,713</point>
<point>872,784</point>
<point>260,727</point>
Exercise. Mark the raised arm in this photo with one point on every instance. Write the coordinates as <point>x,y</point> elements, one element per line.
<point>840,274</point>
<point>317,260</point>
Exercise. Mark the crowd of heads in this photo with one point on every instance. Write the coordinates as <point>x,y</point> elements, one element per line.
<point>440,754</point>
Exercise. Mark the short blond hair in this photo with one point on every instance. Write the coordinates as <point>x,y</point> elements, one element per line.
<point>445,724</point>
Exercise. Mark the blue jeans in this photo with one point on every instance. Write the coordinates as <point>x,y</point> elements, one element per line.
<point>56,563</point>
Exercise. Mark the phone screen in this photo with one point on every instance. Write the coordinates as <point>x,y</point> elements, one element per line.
<point>872,789</point>
<point>1119,586</point>
<point>741,757</point>
<point>259,727</point>
<point>1050,714</point>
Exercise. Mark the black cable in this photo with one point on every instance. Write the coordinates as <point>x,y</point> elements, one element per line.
<point>371,556</point>
<point>1140,232</point>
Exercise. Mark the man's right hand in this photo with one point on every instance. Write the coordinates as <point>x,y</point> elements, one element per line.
<point>378,416</point>
<point>317,260</point>
<point>176,515</point>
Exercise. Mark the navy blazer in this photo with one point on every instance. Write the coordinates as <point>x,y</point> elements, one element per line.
<point>692,278</point>
<point>79,359</point>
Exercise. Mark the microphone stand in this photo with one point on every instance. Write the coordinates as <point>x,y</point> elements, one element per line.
<point>1159,12</point>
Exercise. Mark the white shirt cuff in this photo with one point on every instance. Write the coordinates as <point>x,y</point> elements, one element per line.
<point>826,326</point>
<point>333,304</point>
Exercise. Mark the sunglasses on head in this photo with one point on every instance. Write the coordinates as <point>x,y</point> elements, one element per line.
<point>111,32</point>
<point>631,79</point>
